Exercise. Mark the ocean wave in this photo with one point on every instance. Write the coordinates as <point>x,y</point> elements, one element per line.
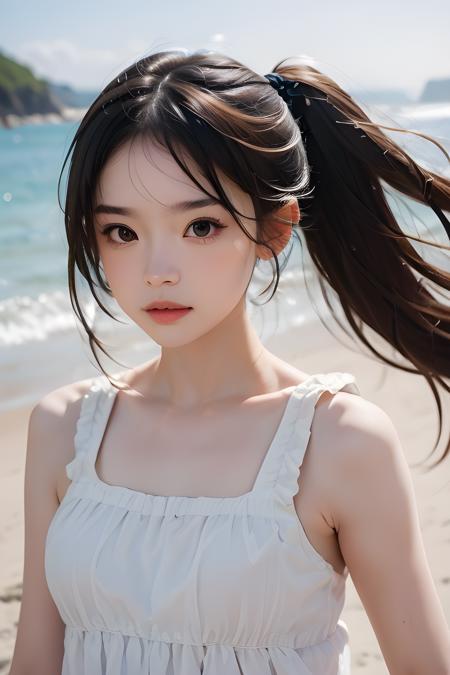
<point>27,319</point>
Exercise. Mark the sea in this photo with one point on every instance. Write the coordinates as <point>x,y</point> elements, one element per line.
<point>43,345</point>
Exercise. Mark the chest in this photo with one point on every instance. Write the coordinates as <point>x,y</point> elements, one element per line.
<point>215,453</point>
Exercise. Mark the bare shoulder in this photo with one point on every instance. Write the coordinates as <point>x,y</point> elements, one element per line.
<point>52,423</point>
<point>355,439</point>
<point>359,427</point>
<point>58,406</point>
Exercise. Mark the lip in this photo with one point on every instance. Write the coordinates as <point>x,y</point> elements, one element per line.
<point>165,304</point>
<point>168,315</point>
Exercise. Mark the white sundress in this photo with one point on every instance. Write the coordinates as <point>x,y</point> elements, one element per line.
<point>169,585</point>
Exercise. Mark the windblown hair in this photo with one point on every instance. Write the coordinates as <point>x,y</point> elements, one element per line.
<point>325,152</point>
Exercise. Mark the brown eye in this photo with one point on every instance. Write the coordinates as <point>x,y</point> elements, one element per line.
<point>202,228</point>
<point>122,231</point>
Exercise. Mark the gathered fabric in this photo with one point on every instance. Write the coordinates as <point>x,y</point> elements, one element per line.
<point>176,585</point>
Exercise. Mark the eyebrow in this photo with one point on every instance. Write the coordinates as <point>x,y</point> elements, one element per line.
<point>181,206</point>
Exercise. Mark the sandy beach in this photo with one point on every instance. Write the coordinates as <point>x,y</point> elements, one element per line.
<point>405,397</point>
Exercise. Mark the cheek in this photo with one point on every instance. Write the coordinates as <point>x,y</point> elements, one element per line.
<point>226,271</point>
<point>242,247</point>
<point>118,271</point>
<point>240,260</point>
<point>231,260</point>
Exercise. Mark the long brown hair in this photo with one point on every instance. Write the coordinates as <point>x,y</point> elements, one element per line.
<point>323,150</point>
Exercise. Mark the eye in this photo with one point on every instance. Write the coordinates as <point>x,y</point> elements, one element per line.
<point>121,228</point>
<point>201,225</point>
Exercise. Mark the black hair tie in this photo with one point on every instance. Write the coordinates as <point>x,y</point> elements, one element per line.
<point>288,89</point>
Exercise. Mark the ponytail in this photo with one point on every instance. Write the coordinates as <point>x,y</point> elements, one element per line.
<point>352,235</point>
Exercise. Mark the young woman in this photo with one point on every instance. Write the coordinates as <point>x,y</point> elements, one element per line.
<point>213,501</point>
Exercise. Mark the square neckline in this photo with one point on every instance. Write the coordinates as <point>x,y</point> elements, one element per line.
<point>277,438</point>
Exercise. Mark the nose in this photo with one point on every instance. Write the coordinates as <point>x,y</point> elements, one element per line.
<point>157,278</point>
<point>160,266</point>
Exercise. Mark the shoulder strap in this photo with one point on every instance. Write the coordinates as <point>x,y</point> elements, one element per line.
<point>94,413</point>
<point>294,441</point>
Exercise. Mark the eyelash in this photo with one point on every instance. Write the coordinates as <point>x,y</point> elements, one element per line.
<point>204,240</point>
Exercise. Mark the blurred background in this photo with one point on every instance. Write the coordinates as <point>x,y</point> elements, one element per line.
<point>55,58</point>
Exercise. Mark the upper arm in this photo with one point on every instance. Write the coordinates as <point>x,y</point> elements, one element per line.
<point>378,526</point>
<point>39,645</point>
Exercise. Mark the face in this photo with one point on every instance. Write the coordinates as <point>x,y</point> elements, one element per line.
<point>195,256</point>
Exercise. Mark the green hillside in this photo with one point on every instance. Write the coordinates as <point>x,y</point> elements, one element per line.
<point>21,93</point>
<point>14,75</point>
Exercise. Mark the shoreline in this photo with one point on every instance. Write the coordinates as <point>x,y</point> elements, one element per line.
<point>67,114</point>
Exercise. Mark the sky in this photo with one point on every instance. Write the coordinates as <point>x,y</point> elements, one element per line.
<point>385,44</point>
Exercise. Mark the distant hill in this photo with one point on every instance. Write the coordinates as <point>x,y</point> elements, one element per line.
<point>21,93</point>
<point>436,91</point>
<point>73,98</point>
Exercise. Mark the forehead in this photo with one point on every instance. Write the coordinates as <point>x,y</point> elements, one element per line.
<point>143,173</point>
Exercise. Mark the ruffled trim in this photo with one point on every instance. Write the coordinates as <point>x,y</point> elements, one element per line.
<point>292,447</point>
<point>260,504</point>
<point>90,426</point>
<point>140,656</point>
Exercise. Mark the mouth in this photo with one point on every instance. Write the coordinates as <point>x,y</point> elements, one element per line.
<point>168,309</point>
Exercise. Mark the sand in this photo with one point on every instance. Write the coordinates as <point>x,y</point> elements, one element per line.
<point>406,398</point>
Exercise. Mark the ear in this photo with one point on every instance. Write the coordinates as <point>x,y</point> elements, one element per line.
<point>277,228</point>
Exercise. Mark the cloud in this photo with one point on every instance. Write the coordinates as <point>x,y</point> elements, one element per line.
<point>63,61</point>
<point>50,53</point>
